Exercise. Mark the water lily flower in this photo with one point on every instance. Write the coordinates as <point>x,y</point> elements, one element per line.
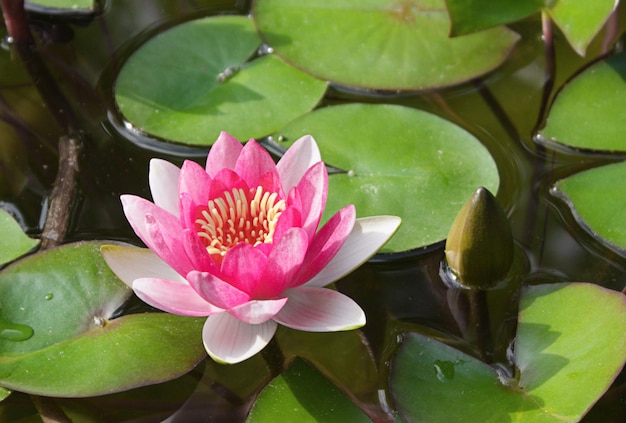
<point>238,241</point>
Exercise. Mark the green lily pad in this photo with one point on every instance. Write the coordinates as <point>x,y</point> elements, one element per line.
<point>570,346</point>
<point>597,198</point>
<point>60,337</point>
<point>191,82</point>
<point>470,16</point>
<point>580,21</point>
<point>13,242</point>
<point>583,114</point>
<point>302,394</point>
<point>70,5</point>
<point>398,161</point>
<point>379,44</point>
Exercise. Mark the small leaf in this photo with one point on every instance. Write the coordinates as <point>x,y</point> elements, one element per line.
<point>13,242</point>
<point>379,44</point>
<point>580,21</point>
<point>398,161</point>
<point>303,395</point>
<point>583,114</point>
<point>597,199</point>
<point>469,16</point>
<point>66,299</point>
<point>570,346</point>
<point>193,81</point>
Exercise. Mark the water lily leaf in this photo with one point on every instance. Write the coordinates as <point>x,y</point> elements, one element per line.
<point>583,114</point>
<point>191,82</point>
<point>580,21</point>
<point>398,161</point>
<point>302,394</point>
<point>60,336</point>
<point>470,16</point>
<point>379,44</point>
<point>597,198</point>
<point>565,331</point>
<point>13,242</point>
<point>60,5</point>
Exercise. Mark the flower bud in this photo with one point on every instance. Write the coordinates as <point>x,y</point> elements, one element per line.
<point>479,249</point>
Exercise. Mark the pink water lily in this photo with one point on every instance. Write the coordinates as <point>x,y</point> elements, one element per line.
<point>238,241</point>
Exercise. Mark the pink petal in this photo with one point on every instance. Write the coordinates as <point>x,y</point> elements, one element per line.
<point>166,240</point>
<point>216,291</point>
<point>283,263</point>
<point>229,340</point>
<point>257,311</point>
<point>271,182</point>
<point>158,229</point>
<point>313,189</point>
<point>226,180</point>
<point>327,242</point>
<point>197,253</point>
<point>130,263</point>
<point>243,266</point>
<point>299,157</point>
<point>253,163</point>
<point>223,154</point>
<point>195,181</point>
<point>366,237</point>
<point>173,296</point>
<point>320,310</point>
<point>288,219</point>
<point>163,179</point>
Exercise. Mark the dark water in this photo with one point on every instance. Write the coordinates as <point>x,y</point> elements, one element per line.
<point>398,293</point>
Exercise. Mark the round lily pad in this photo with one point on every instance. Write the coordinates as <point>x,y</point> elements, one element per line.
<point>584,113</point>
<point>598,202</point>
<point>192,81</point>
<point>398,161</point>
<point>59,335</point>
<point>379,44</point>
<point>570,346</point>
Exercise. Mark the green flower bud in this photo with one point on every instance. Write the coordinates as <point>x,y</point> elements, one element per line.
<point>479,249</point>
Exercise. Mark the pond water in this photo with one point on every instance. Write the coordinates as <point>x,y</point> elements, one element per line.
<point>401,292</point>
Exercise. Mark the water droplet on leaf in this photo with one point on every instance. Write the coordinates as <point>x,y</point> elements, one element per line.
<point>14,331</point>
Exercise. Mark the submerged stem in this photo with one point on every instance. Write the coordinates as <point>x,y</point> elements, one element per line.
<point>57,220</point>
<point>479,317</point>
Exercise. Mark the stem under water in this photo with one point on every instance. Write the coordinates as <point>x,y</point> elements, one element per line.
<point>61,197</point>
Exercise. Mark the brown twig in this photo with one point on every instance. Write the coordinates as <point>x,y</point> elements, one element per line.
<point>59,212</point>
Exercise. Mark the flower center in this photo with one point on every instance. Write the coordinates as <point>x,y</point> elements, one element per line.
<point>238,216</point>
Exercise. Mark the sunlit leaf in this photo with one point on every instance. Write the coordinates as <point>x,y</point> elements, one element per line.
<point>379,44</point>
<point>581,20</point>
<point>597,198</point>
<point>63,4</point>
<point>584,113</point>
<point>570,346</point>
<point>398,161</point>
<point>63,338</point>
<point>469,16</point>
<point>13,242</point>
<point>303,395</point>
<point>191,82</point>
